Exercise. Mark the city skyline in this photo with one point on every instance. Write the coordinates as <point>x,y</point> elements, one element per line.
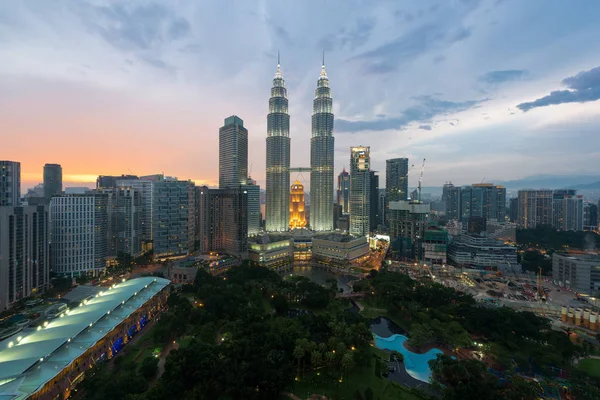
<point>457,82</point>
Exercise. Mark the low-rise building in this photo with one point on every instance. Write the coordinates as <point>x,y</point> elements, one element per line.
<point>272,250</point>
<point>469,250</point>
<point>49,361</point>
<point>338,248</point>
<point>580,273</point>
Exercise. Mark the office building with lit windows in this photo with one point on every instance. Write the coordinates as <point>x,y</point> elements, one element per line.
<point>278,157</point>
<point>80,226</point>
<point>24,255</point>
<point>321,157</point>
<point>10,183</point>
<point>360,191</point>
<point>233,153</point>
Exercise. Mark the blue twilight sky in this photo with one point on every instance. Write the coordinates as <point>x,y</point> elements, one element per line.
<point>500,89</point>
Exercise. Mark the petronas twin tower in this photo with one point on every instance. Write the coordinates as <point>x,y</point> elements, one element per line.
<point>278,157</point>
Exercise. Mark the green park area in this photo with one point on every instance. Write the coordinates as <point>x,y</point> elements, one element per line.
<point>249,334</point>
<point>590,366</point>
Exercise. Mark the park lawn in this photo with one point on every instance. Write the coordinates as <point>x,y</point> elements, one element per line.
<point>359,379</point>
<point>591,366</point>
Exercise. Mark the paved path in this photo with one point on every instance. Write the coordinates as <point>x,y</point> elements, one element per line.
<point>163,356</point>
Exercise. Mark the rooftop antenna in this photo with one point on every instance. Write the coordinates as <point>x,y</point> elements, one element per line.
<point>277,57</point>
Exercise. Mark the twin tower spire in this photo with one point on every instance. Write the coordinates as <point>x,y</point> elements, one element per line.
<point>321,156</point>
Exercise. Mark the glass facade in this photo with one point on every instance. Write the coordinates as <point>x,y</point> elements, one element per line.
<point>278,157</point>
<point>321,157</point>
<point>360,191</point>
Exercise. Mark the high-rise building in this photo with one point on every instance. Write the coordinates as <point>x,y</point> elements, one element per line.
<point>535,208</point>
<point>52,180</point>
<point>567,210</point>
<point>382,204</point>
<point>146,189</point>
<point>484,200</point>
<point>228,221</point>
<point>10,183</point>
<point>407,222</point>
<point>24,256</point>
<point>590,216</point>
<point>396,179</point>
<point>202,218</point>
<point>233,153</point>
<point>80,241</point>
<point>172,217</point>
<point>451,197</point>
<point>108,181</point>
<point>374,201</point>
<point>360,191</point>
<point>297,206</point>
<point>321,157</point>
<point>124,221</point>
<point>396,184</point>
<point>513,209</point>
<point>343,191</point>
<point>278,157</point>
<point>252,190</point>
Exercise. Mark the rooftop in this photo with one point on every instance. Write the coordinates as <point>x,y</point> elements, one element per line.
<point>35,356</point>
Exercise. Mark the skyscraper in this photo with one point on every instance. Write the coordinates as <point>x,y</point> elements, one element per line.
<point>396,179</point>
<point>252,191</point>
<point>297,206</point>
<point>321,157</point>
<point>360,190</point>
<point>278,156</point>
<point>451,198</point>
<point>233,153</point>
<point>535,208</point>
<point>52,180</point>
<point>124,221</point>
<point>343,191</point>
<point>374,201</point>
<point>79,233</point>
<point>25,267</point>
<point>228,221</point>
<point>484,200</point>
<point>146,189</point>
<point>172,217</point>
<point>10,183</point>
<point>396,184</point>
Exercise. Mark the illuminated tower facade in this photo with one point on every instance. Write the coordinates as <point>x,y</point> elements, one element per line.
<point>278,156</point>
<point>297,211</point>
<point>321,157</point>
<point>360,191</point>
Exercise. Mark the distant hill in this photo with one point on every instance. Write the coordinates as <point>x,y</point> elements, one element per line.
<point>552,182</point>
<point>587,186</point>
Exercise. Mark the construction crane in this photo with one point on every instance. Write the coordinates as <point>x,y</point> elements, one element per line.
<point>421,179</point>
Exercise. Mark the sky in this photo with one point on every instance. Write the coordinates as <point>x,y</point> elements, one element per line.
<point>483,89</point>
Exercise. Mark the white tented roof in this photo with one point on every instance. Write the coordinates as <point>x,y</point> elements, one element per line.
<point>31,358</point>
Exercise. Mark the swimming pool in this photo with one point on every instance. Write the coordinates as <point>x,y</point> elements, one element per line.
<point>416,364</point>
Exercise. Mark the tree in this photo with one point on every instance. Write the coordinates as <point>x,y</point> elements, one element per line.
<point>298,355</point>
<point>369,393</point>
<point>149,367</point>
<point>347,363</point>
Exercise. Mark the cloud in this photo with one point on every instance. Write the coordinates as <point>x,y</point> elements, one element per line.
<point>353,37</point>
<point>584,87</point>
<point>495,77</point>
<point>135,28</point>
<point>388,57</point>
<point>425,110</point>
<point>425,127</point>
